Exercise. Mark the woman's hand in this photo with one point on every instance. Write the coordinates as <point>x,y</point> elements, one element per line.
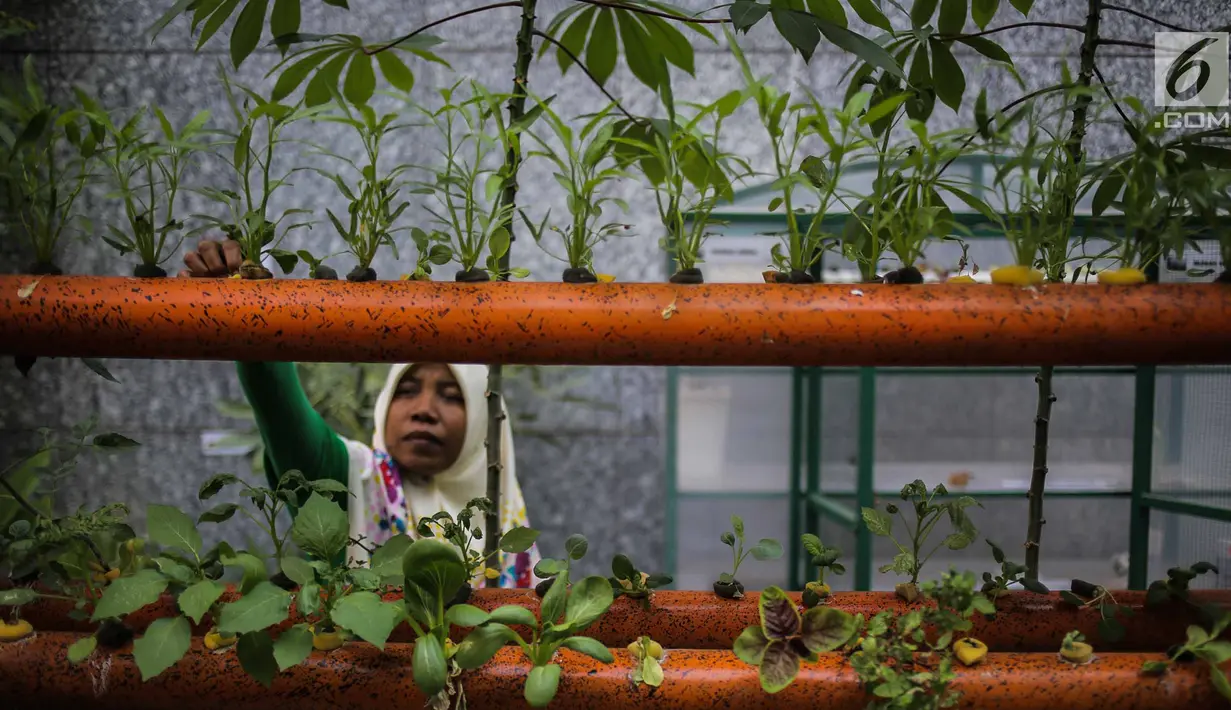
<point>213,259</point>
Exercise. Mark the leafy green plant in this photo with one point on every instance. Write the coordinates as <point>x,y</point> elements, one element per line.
<point>259,136</point>
<point>649,655</point>
<point>766,549</point>
<point>549,568</point>
<point>583,166</point>
<point>822,557</point>
<point>47,157</point>
<point>565,612</point>
<point>631,582</point>
<point>1010,573</point>
<point>1206,646</point>
<point>462,533</point>
<point>1174,589</point>
<point>433,250</point>
<point>906,663</point>
<point>373,203</point>
<point>147,172</point>
<point>470,214</point>
<point>784,638</point>
<point>1084,595</point>
<point>928,512</point>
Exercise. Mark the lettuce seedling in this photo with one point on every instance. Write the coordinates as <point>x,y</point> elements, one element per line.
<point>784,638</point>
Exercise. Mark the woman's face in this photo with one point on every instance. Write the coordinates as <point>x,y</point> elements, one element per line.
<point>426,424</point>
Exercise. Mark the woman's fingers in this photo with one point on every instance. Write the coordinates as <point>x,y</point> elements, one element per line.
<point>211,254</point>
<point>233,255</point>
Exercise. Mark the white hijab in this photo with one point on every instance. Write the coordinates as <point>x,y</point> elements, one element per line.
<point>449,490</point>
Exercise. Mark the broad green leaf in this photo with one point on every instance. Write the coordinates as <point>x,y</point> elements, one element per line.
<point>215,484</point>
<point>434,571</point>
<point>825,628</point>
<point>879,523</point>
<point>622,567</point>
<point>308,600</point>
<point>947,75</point>
<point>811,543</point>
<point>1217,652</point>
<point>128,594</point>
<point>293,75</point>
<point>321,528</point>
<point>750,645</point>
<point>574,38</point>
<point>779,666</point>
<point>779,617</point>
<point>519,539</point>
<point>163,643</point>
<point>256,656</point>
<point>512,614</point>
<point>196,600</point>
<point>870,13</point>
<point>987,48</point>
<point>921,12</point>
<point>884,108</point>
<point>387,559</point>
<point>428,663</point>
<point>576,546</point>
<point>298,570</point>
<point>1022,6</point>
<point>259,609</point>
<point>860,46</point>
<point>1197,635</point>
<point>360,81</point>
<point>952,17</point>
<point>958,540</point>
<point>481,644</point>
<point>82,648</point>
<point>674,46</point>
<point>746,13</point>
<point>466,615</point>
<point>541,685</point>
<point>982,11</point>
<point>395,71</point>
<point>284,20</point>
<point>829,11</point>
<point>601,50</point>
<point>767,549</point>
<point>292,646</point>
<point>320,87</point>
<point>17,597</point>
<point>365,615</point>
<point>253,568</point>
<point>799,29</point>
<point>1107,192</point>
<point>555,599</point>
<point>645,62</point>
<point>591,647</point>
<point>219,513</point>
<point>590,598</point>
<point>247,31</point>
<point>171,527</point>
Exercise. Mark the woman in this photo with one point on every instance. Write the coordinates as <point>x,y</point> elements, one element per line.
<point>427,453</point>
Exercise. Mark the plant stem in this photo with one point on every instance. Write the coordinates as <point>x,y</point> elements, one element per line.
<point>1142,15</point>
<point>441,21</point>
<point>495,410</point>
<point>586,70</point>
<point>1014,26</point>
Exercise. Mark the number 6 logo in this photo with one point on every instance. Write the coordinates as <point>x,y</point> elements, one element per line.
<point>1189,59</point>
<point>1190,69</point>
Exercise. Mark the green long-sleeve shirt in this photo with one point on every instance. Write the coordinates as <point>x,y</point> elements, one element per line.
<point>295,435</point>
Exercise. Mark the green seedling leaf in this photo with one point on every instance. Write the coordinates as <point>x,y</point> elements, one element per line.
<point>590,598</point>
<point>576,546</point>
<point>17,597</point>
<point>433,571</point>
<point>779,666</point>
<point>779,617</point>
<point>878,523</point>
<point>395,71</point>
<point>541,685</point>
<point>513,615</point>
<point>128,594</point>
<point>308,601</point>
<point>387,559</point>
<point>253,567</point>
<point>750,645</point>
<point>262,607</point>
<point>81,649</point>
<point>519,539</point>
<point>170,527</point>
<point>219,513</point>
<point>321,528</point>
<point>256,655</point>
<point>328,485</point>
<point>466,615</point>
<point>292,647</point>
<point>164,643</point>
<point>481,644</point>
<point>767,549</point>
<point>196,600</point>
<point>1216,652</point>
<point>591,647</point>
<point>623,568</point>
<point>825,628</point>
<point>428,664</point>
<point>365,615</point>
<point>556,598</point>
<point>298,570</point>
<point>216,484</point>
<point>746,13</point>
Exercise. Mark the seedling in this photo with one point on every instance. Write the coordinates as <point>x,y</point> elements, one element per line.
<point>1084,595</point>
<point>433,250</point>
<point>1074,649</point>
<point>897,663</point>
<point>648,654</point>
<point>1010,573</point>
<point>631,582</point>
<point>1175,587</point>
<point>575,548</point>
<point>822,558</point>
<point>928,512</point>
<point>565,613</point>
<point>784,639</point>
<point>727,585</point>
<point>1203,645</point>
<point>583,166</point>
<point>463,534</point>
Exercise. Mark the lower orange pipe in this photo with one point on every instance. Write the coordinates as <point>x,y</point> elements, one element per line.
<point>1025,622</point>
<point>614,324</point>
<point>35,673</point>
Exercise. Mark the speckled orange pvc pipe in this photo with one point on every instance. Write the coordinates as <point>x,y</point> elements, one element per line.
<point>614,324</point>
<point>35,673</point>
<point>701,620</point>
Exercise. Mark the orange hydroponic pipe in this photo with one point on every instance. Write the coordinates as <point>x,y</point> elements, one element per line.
<point>36,673</point>
<point>614,324</point>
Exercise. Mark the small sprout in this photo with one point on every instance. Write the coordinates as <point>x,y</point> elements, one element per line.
<point>823,558</point>
<point>1010,573</point>
<point>1175,587</point>
<point>970,651</point>
<point>727,586</point>
<point>649,654</point>
<point>631,582</point>
<point>1205,645</point>
<point>1074,649</point>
